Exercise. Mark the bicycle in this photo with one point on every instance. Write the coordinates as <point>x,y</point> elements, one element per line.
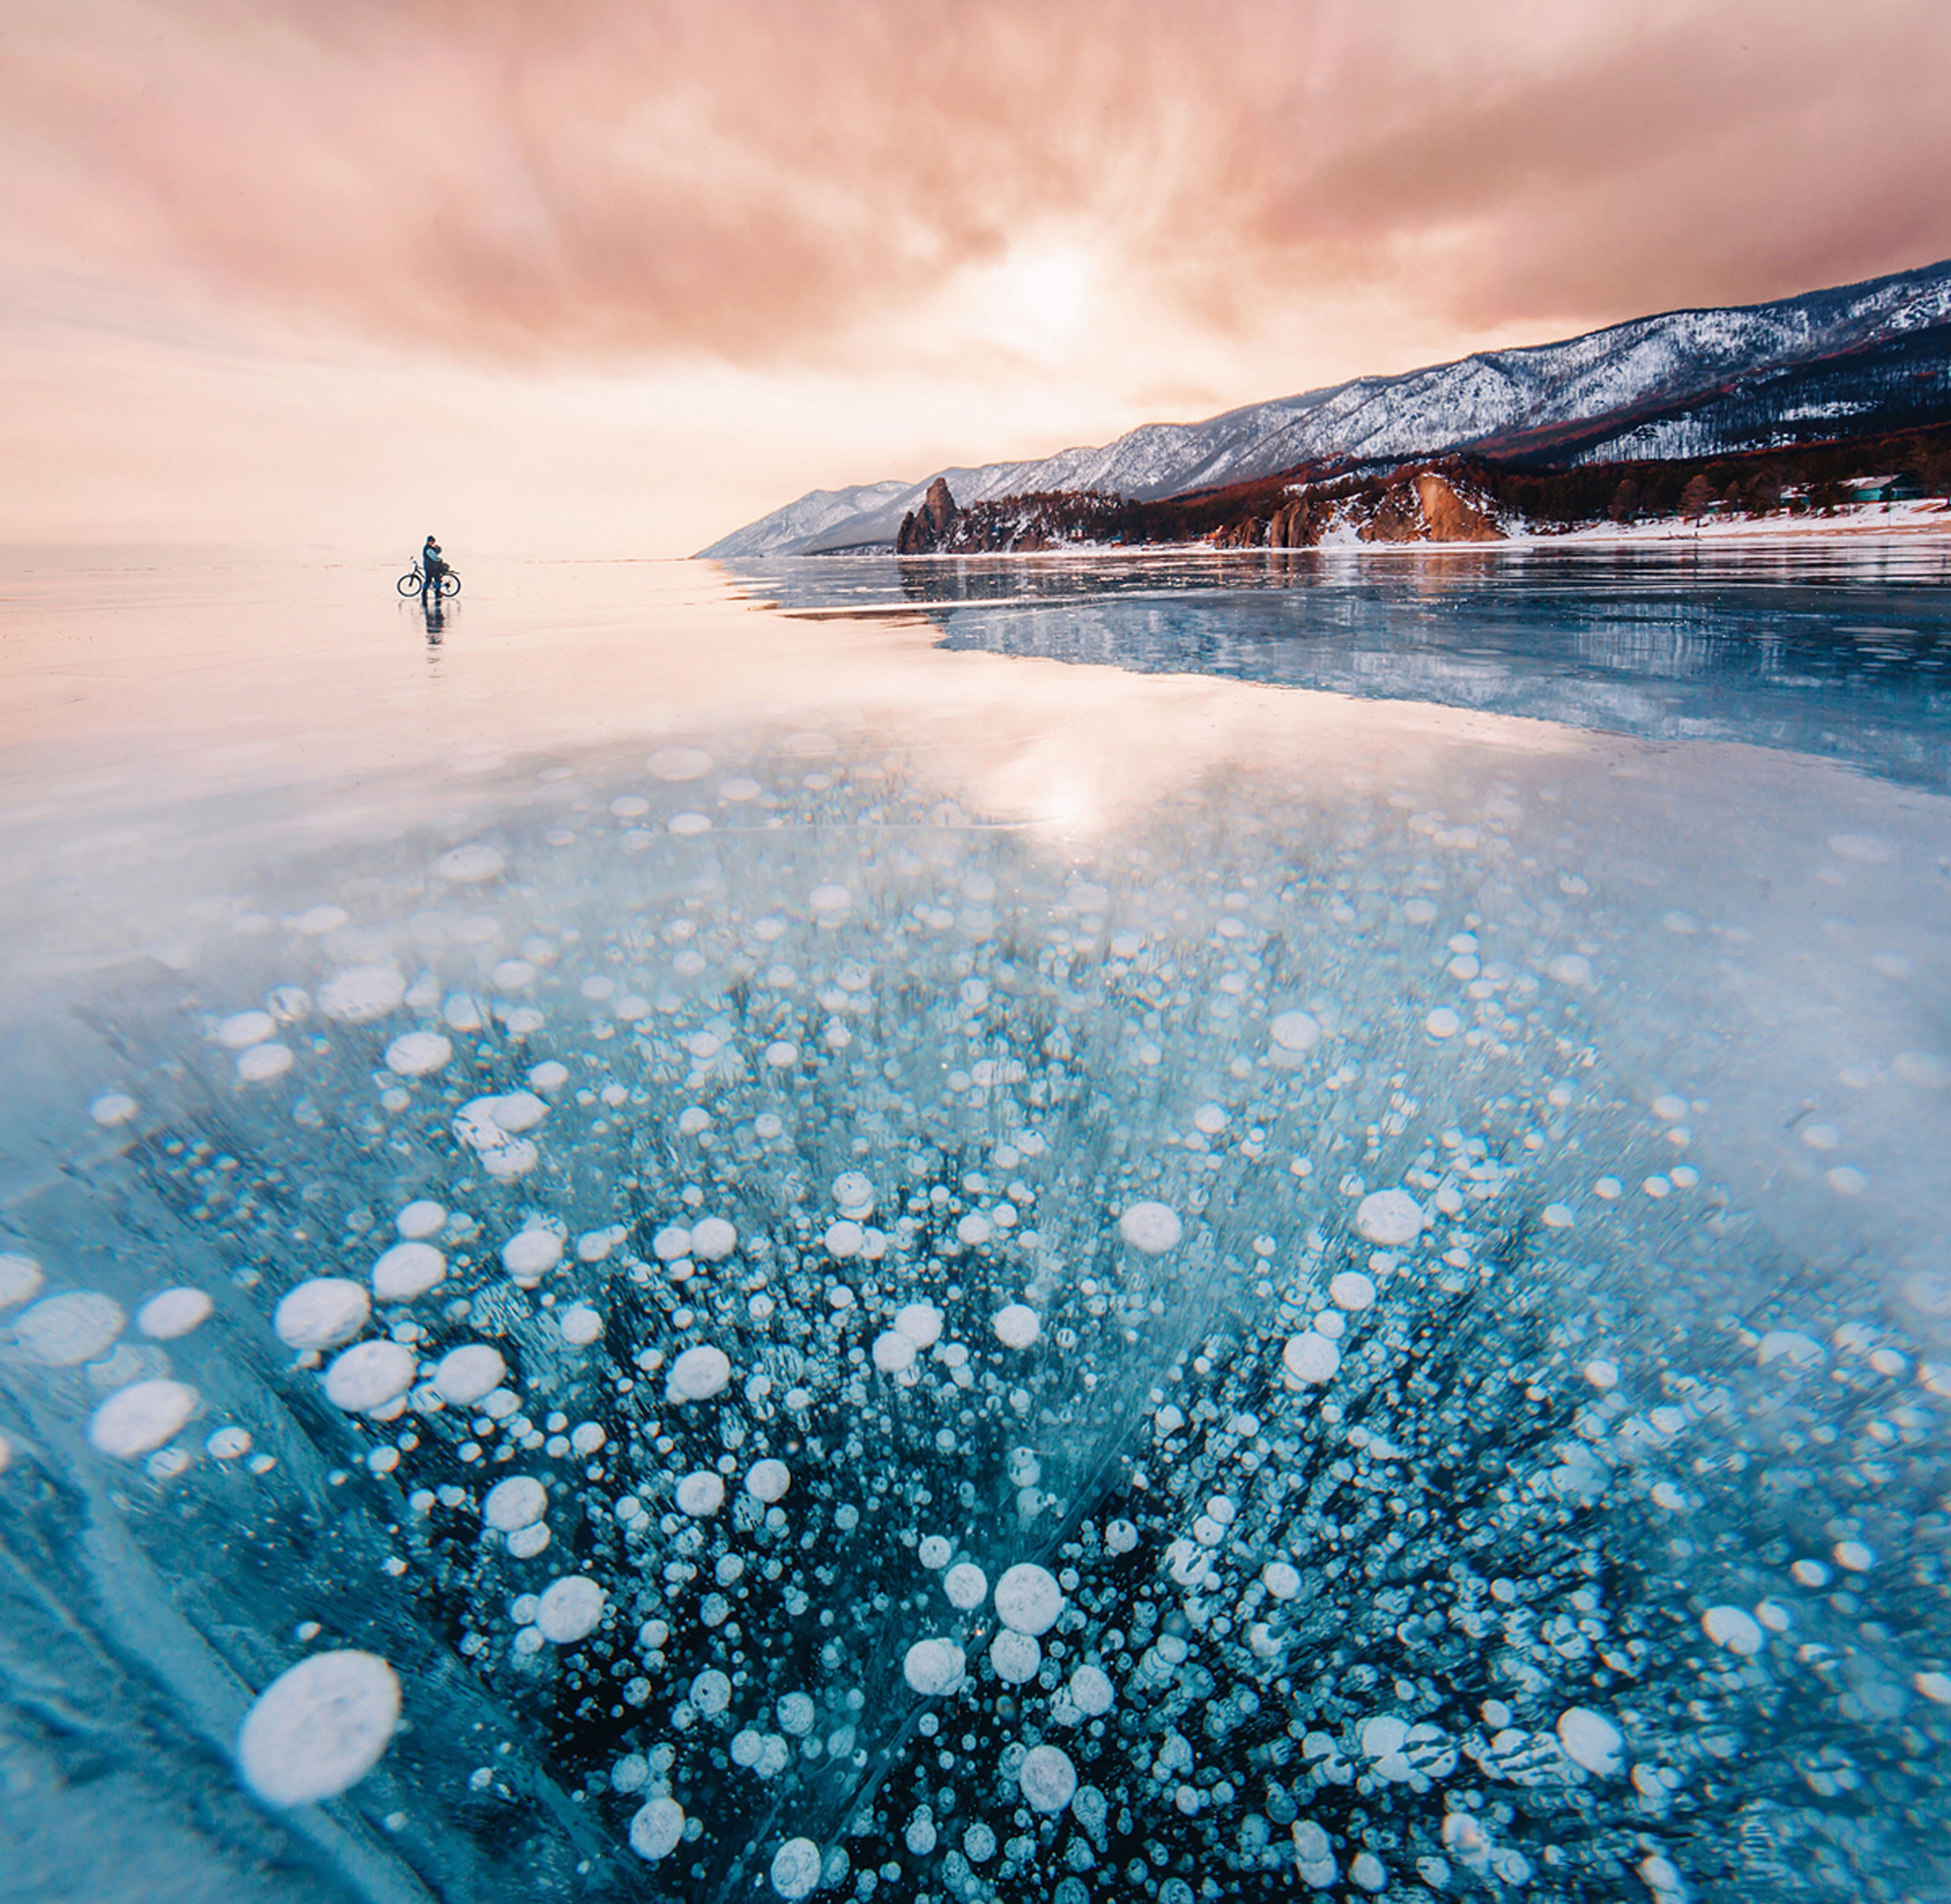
<point>413,583</point>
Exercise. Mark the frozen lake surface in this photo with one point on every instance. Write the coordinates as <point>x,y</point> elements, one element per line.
<point>1159,1228</point>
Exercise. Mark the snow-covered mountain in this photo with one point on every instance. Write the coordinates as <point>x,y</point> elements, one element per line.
<point>1650,364</point>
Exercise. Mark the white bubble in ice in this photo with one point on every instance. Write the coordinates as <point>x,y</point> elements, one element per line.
<point>518,1502</point>
<point>421,1220</point>
<point>361,993</point>
<point>1046,1778</point>
<point>526,1542</point>
<point>112,1108</point>
<point>656,1829</point>
<point>580,1326</point>
<point>844,1239</point>
<point>712,1239</point>
<point>769,1481</point>
<point>1015,1656</point>
<point>1390,1218</point>
<point>855,1194</point>
<point>321,1312</point>
<point>242,1029</point>
<point>1310,1357</point>
<point>966,1586</point>
<point>1017,1325</point>
<point>1592,1740</point>
<point>677,763</point>
<point>1854,1557</point>
<point>569,1609</point>
<point>368,1376</point>
<point>1091,1692</point>
<point>1935,1687</point>
<point>173,1313</point>
<point>530,1254</point>
<point>262,1062</point>
<point>407,1272</point>
<point>1735,1629</point>
<point>1443,1022</point>
<point>20,1277</point>
<point>1280,1580</point>
<point>416,1053</point>
<point>1296,1031</point>
<point>1208,1120</point>
<point>465,1375</point>
<point>317,1729</point>
<point>1863,848</point>
<point>701,1495</point>
<point>832,900</point>
<point>893,1352</point>
<point>1150,1228</point>
<point>935,1553</point>
<point>548,1075</point>
<point>921,1323</point>
<point>698,1374</point>
<point>796,1868</point>
<point>934,1667</point>
<point>470,865</point>
<point>1028,1598</point>
<point>796,1715</point>
<point>711,1692</point>
<point>1351,1289</point>
<point>66,1330</point>
<point>1801,1349</point>
<point>516,1111</point>
<point>229,1444</point>
<point>142,1417</point>
<point>1930,1069</point>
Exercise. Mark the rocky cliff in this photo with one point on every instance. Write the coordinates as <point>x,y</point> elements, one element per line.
<point>926,530</point>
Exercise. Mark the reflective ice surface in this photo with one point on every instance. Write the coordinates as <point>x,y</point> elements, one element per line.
<point>668,1247</point>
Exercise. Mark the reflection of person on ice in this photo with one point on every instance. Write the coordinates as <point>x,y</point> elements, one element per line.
<point>431,568</point>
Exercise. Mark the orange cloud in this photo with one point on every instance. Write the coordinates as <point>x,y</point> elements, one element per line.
<point>757,181</point>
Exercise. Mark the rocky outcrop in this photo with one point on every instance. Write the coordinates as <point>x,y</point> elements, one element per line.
<point>1010,525</point>
<point>1449,517</point>
<point>927,530</point>
<point>1408,505</point>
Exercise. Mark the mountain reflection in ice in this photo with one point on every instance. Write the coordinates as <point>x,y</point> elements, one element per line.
<point>769,1329</point>
<point>1838,654</point>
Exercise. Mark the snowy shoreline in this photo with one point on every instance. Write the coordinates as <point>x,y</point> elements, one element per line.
<point>1929,518</point>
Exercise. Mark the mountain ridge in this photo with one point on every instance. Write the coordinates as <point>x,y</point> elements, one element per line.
<point>1632,373</point>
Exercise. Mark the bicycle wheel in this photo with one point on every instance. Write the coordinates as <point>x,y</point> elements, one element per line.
<point>449,584</point>
<point>409,583</point>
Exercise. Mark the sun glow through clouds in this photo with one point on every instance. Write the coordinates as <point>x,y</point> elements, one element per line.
<point>1038,301</point>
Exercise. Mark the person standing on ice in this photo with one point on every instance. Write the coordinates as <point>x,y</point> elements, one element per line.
<point>432,568</point>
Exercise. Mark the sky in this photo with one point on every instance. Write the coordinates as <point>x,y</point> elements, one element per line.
<point>611,277</point>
